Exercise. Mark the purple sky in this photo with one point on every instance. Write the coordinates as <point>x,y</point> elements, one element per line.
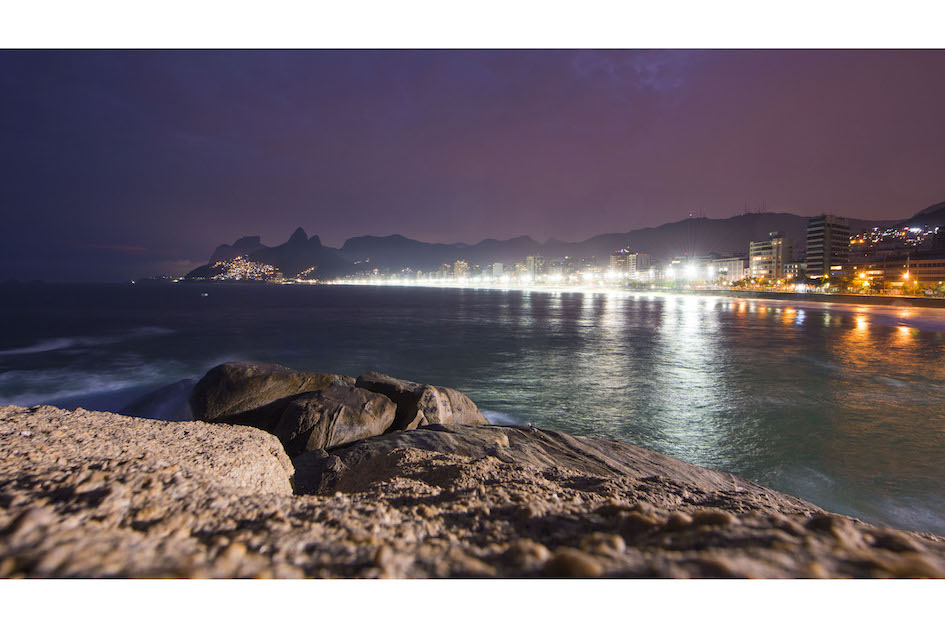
<point>119,164</point>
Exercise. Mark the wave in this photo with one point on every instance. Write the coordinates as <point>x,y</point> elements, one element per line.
<point>499,418</point>
<point>63,343</point>
<point>32,387</point>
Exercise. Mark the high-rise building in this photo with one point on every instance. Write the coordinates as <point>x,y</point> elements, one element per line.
<point>767,258</point>
<point>497,269</point>
<point>460,269</point>
<point>628,264</point>
<point>828,246</point>
<point>535,265</point>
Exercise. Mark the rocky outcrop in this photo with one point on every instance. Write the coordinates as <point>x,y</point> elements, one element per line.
<point>86,494</point>
<point>309,411</point>
<point>239,386</point>
<point>336,415</point>
<point>356,466</point>
<point>421,405</point>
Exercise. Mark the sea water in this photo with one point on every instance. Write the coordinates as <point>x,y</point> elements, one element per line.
<point>842,405</point>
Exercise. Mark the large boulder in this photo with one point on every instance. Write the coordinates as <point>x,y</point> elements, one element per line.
<point>238,386</point>
<point>421,405</point>
<point>355,467</point>
<point>332,416</point>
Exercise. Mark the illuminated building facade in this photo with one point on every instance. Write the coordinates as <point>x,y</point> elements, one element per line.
<point>629,264</point>
<point>727,269</point>
<point>535,265</point>
<point>828,246</point>
<point>767,258</point>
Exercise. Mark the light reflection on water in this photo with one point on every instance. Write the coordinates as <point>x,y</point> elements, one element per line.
<point>840,404</point>
<point>843,405</point>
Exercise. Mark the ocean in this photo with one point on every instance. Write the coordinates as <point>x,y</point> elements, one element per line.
<point>842,405</point>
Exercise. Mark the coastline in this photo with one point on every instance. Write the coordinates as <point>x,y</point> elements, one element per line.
<point>825,298</point>
<point>819,298</point>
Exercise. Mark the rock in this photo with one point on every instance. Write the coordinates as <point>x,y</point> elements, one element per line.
<point>88,494</point>
<point>239,386</point>
<point>367,461</point>
<point>332,416</point>
<point>567,562</point>
<point>107,445</point>
<point>421,405</point>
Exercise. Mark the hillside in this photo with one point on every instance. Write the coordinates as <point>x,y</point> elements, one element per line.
<point>292,258</point>
<point>696,236</point>
<point>932,216</point>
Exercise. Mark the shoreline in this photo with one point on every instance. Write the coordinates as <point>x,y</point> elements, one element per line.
<point>819,298</point>
<point>824,298</point>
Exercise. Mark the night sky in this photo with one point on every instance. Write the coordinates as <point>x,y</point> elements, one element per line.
<point>122,164</point>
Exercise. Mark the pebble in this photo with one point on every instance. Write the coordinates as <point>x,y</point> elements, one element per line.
<point>526,552</point>
<point>603,543</point>
<point>569,562</point>
<point>712,518</point>
<point>678,520</point>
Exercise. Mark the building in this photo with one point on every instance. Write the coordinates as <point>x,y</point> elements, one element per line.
<point>460,269</point>
<point>795,270</point>
<point>828,246</point>
<point>535,265</point>
<point>919,268</point>
<point>727,269</point>
<point>767,258</point>
<point>497,269</point>
<point>629,264</point>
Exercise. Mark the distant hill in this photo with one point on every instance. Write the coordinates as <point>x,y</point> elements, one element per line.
<point>398,252</point>
<point>293,257</point>
<point>701,236</point>
<point>696,236</point>
<point>931,216</point>
<point>243,246</point>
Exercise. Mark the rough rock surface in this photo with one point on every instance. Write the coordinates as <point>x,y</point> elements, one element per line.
<point>335,415</point>
<point>95,494</point>
<point>421,405</point>
<point>242,385</point>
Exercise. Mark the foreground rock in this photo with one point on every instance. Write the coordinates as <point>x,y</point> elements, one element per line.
<point>421,405</point>
<point>332,416</point>
<point>356,467</point>
<point>309,411</point>
<point>238,386</point>
<point>94,494</point>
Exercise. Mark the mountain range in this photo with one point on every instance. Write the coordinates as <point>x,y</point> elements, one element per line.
<point>694,236</point>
